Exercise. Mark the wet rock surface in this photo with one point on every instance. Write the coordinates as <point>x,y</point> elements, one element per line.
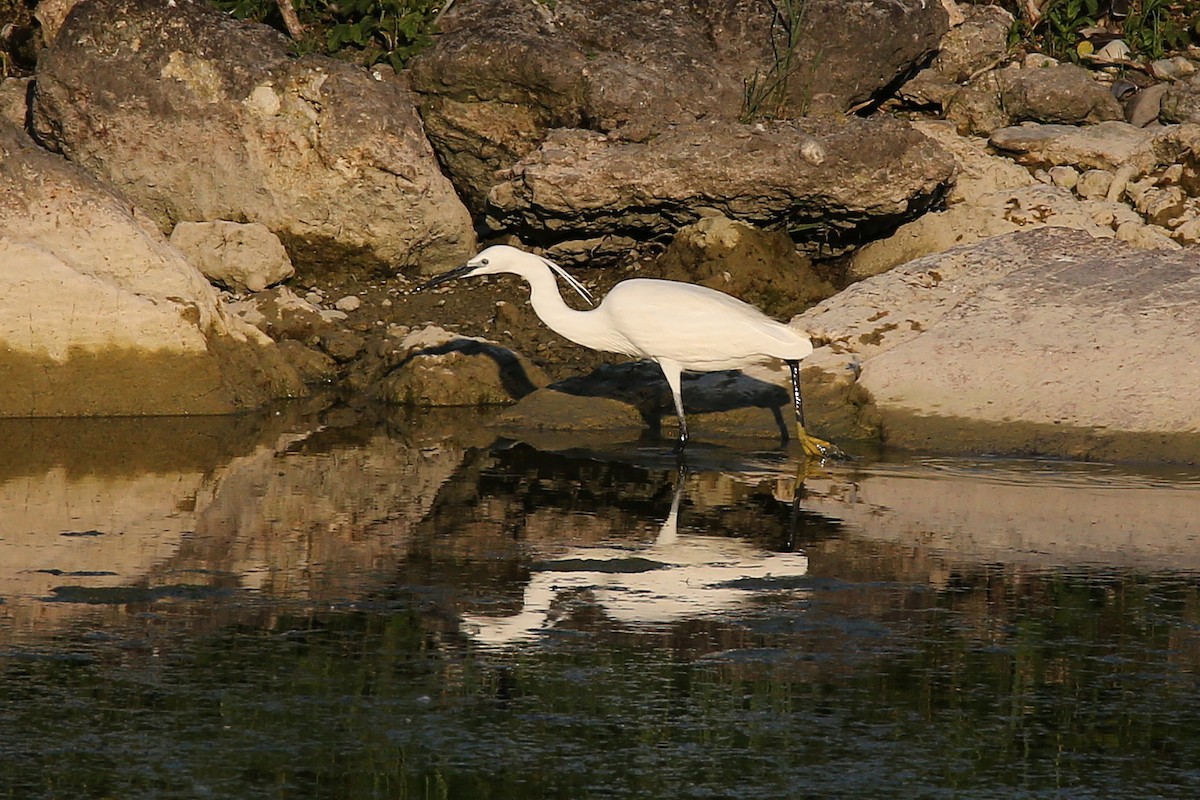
<point>1068,342</point>
<point>102,316</point>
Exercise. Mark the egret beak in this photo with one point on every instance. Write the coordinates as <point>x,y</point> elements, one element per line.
<point>457,272</point>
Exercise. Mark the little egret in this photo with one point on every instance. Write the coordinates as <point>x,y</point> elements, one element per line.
<point>680,326</point>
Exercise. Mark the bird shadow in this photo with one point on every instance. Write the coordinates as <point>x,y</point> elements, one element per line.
<point>641,384</point>
<point>514,378</point>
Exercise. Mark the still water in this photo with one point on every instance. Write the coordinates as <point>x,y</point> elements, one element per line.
<point>340,604</point>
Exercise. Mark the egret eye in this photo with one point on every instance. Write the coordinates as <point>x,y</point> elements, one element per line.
<point>483,262</point>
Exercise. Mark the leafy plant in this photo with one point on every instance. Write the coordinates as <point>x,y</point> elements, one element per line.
<point>365,31</point>
<point>1151,29</point>
<point>765,95</point>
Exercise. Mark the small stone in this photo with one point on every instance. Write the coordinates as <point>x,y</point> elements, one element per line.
<point>1039,61</point>
<point>1161,205</point>
<point>1093,184</point>
<point>1188,232</point>
<point>313,298</point>
<point>1149,237</point>
<point>1171,175</point>
<point>1064,177</point>
<point>1143,107</point>
<point>348,303</point>
<point>1170,69</point>
<point>342,346</point>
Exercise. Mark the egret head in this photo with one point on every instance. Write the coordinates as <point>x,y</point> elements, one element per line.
<point>501,258</point>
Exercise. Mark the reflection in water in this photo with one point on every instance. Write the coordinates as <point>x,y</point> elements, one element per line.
<point>678,576</point>
<point>327,603</point>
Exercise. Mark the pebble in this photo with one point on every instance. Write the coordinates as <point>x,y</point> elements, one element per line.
<point>348,303</point>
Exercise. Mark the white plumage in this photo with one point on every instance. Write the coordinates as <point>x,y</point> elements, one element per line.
<point>680,326</point>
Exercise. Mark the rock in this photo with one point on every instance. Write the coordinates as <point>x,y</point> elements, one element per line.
<point>439,368</point>
<point>1064,177</point>
<point>1107,145</point>
<point>504,72</point>
<point>1041,342</point>
<point>101,316</point>
<point>312,365</point>
<point>342,346</point>
<point>195,116</point>
<point>634,395</point>
<point>1094,184</point>
<point>1161,205</point>
<point>280,314</point>
<point>1064,93</point>
<point>1001,212</point>
<point>975,109</point>
<point>50,14</point>
<point>581,185</point>
<point>552,410</point>
<point>1188,233</point>
<point>1147,237</point>
<point>348,304</point>
<point>760,267</point>
<point>14,101</point>
<point>1181,101</point>
<point>1172,69</point>
<point>980,42</point>
<point>1143,107</point>
<point>240,256</point>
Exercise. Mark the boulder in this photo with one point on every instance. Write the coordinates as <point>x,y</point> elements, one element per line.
<point>102,316</point>
<point>1107,145</point>
<point>1063,93</point>
<point>437,368</point>
<point>194,117</point>
<point>760,267</point>
<point>1046,342</point>
<point>239,256</point>
<point>821,180</point>
<point>504,72</point>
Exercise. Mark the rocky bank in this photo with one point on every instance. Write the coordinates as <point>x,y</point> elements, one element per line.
<point>993,251</point>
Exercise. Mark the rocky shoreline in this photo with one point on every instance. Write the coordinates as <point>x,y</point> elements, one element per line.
<point>993,251</point>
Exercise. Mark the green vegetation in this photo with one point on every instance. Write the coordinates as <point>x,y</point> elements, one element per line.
<point>1152,29</point>
<point>766,95</point>
<point>364,31</point>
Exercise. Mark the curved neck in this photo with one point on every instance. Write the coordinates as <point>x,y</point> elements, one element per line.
<point>585,328</point>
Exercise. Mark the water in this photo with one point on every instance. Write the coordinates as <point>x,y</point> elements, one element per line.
<point>335,604</point>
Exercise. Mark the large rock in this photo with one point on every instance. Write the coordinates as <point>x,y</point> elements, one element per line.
<point>503,72</point>
<point>1041,342</point>
<point>100,316</point>
<point>823,180</point>
<point>1063,93</point>
<point>197,117</point>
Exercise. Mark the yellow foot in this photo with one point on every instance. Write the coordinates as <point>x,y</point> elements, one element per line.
<point>818,448</point>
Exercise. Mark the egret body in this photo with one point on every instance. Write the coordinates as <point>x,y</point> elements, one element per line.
<point>680,326</point>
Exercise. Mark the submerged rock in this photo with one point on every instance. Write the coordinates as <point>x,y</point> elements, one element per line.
<point>101,316</point>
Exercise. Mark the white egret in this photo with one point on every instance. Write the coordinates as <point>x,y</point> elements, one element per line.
<point>680,326</point>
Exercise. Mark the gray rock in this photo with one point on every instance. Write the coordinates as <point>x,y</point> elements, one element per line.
<point>14,100</point>
<point>241,256</point>
<point>1181,101</point>
<point>980,42</point>
<point>195,116</point>
<point>1143,107</point>
<point>101,316</point>
<point>860,175</point>
<point>1046,342</point>
<point>1107,145</point>
<point>1065,93</point>
<point>1094,184</point>
<point>504,72</point>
